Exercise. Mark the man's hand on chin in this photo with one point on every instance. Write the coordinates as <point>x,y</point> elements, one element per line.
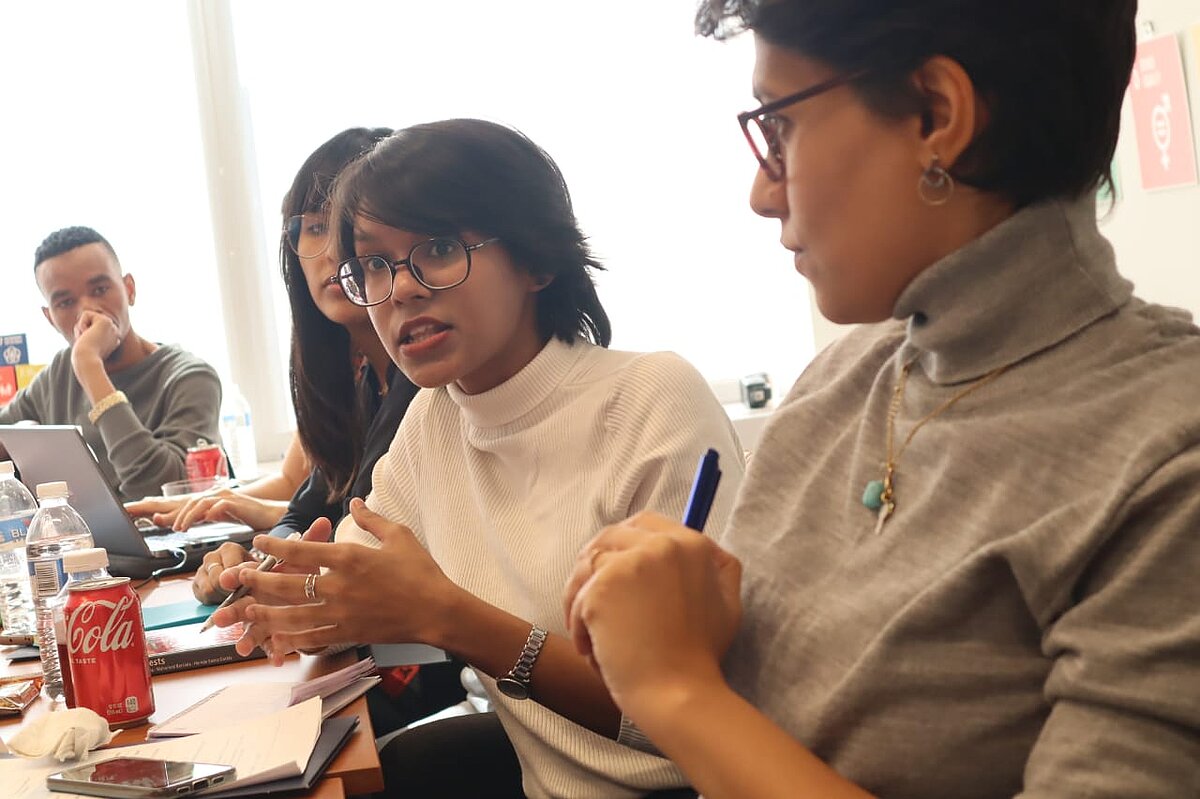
<point>96,337</point>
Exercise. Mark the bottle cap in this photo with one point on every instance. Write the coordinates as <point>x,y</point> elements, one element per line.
<point>52,490</point>
<point>85,560</point>
<point>6,467</point>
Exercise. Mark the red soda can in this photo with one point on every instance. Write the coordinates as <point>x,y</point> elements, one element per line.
<point>106,644</point>
<point>205,464</point>
<point>64,665</point>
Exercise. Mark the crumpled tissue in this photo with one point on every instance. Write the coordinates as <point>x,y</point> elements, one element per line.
<point>65,734</point>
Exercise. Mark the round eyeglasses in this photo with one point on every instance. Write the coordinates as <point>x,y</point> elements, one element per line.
<point>307,234</point>
<point>437,264</point>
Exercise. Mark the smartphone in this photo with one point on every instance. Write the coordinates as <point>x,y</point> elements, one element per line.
<point>138,776</point>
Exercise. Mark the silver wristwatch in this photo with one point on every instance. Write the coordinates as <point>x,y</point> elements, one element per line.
<point>515,684</point>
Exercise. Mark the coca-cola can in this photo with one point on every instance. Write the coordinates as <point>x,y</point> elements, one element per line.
<point>106,646</point>
<point>205,463</point>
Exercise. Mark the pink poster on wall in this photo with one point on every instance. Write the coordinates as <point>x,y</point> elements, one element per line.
<point>1162,119</point>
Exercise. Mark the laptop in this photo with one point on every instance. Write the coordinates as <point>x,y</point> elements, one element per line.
<point>46,453</point>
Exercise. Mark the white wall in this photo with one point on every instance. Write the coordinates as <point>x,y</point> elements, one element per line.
<point>106,133</point>
<point>100,129</point>
<point>1157,234</point>
<point>180,153</point>
<point>640,115</point>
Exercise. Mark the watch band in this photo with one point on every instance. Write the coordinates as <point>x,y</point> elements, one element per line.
<point>516,683</point>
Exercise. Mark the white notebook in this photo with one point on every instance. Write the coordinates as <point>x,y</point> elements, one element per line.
<point>254,700</point>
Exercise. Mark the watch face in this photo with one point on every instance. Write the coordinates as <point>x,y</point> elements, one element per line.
<point>513,688</point>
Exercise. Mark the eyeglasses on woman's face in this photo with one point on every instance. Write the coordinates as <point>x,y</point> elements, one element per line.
<point>307,234</point>
<point>440,263</point>
<point>761,126</point>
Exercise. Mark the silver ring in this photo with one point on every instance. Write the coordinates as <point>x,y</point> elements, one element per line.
<point>310,586</point>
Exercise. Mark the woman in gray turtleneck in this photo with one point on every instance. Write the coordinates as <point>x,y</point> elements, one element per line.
<point>964,560</point>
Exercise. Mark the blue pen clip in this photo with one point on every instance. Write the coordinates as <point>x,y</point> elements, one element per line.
<point>704,488</point>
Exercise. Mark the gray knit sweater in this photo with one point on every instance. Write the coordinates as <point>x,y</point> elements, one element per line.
<point>1028,622</point>
<point>174,399</point>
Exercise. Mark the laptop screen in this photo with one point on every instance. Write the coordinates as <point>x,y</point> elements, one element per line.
<point>46,453</point>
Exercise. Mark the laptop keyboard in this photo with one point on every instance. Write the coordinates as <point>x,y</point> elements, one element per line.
<point>207,535</point>
<point>171,540</point>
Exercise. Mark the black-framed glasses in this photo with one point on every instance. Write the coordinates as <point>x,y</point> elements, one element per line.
<point>440,263</point>
<point>761,126</point>
<point>307,234</point>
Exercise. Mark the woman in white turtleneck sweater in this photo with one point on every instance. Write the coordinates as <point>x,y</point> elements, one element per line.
<point>528,436</point>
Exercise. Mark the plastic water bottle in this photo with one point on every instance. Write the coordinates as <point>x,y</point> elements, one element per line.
<point>237,433</point>
<point>55,530</point>
<point>81,565</point>
<point>17,507</point>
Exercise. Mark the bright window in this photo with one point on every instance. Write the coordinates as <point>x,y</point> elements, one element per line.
<point>103,130</point>
<point>638,112</point>
<point>100,129</point>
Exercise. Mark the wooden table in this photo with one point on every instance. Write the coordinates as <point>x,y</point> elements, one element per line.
<point>356,768</point>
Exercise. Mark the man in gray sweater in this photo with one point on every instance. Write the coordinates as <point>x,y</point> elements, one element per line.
<point>139,404</point>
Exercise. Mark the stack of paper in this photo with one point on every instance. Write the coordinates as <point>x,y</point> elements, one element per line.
<point>254,700</point>
<point>273,747</point>
<point>332,683</point>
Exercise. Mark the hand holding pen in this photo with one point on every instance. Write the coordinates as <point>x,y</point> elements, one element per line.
<point>267,564</point>
<point>649,599</point>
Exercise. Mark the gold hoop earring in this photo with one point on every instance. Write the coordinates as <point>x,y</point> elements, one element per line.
<point>935,185</point>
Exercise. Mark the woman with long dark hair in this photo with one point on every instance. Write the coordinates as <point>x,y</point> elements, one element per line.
<point>347,396</point>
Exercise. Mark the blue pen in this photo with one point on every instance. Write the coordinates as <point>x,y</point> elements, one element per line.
<point>704,488</point>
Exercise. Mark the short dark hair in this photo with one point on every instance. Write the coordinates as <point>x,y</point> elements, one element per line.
<point>67,239</point>
<point>447,177</point>
<point>324,395</point>
<point>1052,73</point>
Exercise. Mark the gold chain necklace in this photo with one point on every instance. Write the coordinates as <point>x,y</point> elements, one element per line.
<point>880,495</point>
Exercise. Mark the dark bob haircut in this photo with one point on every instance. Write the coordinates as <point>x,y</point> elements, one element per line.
<point>324,395</point>
<point>446,178</point>
<point>1052,74</point>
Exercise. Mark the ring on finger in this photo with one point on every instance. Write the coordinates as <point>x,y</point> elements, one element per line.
<point>310,586</point>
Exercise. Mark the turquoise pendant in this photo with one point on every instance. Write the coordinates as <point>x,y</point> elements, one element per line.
<point>873,495</point>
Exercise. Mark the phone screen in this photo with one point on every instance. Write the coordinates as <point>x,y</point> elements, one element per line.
<point>140,776</point>
<point>146,773</point>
